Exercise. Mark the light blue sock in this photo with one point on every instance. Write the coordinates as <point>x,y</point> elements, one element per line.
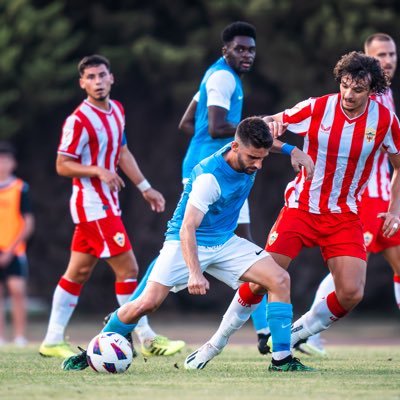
<point>280,317</point>
<point>142,284</point>
<point>259,316</point>
<point>114,324</point>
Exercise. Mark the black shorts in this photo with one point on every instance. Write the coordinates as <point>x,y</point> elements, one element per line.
<point>17,267</point>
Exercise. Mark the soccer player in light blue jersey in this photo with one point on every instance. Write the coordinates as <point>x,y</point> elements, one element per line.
<point>200,238</point>
<point>212,117</point>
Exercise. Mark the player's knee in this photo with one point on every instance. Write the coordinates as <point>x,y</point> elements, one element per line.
<point>350,296</point>
<point>280,282</point>
<point>148,305</point>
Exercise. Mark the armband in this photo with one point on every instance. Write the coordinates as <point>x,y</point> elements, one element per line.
<point>287,148</point>
<point>144,185</point>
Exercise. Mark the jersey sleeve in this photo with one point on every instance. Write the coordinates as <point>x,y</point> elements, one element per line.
<point>25,205</point>
<point>299,117</point>
<point>391,142</point>
<point>220,87</point>
<point>123,140</point>
<point>196,97</point>
<point>205,191</point>
<point>73,138</point>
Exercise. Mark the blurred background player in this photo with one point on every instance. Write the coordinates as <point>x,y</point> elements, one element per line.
<point>375,198</point>
<point>93,146</point>
<point>211,119</point>
<point>16,226</point>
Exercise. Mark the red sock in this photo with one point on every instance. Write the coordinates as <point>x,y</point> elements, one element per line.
<point>334,306</point>
<point>247,296</point>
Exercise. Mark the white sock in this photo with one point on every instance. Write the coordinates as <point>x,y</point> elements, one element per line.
<point>318,319</point>
<point>326,286</point>
<point>143,330</point>
<point>63,305</point>
<point>234,318</point>
<point>396,282</point>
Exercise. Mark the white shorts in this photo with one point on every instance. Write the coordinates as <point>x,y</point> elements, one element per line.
<point>244,215</point>
<point>227,262</point>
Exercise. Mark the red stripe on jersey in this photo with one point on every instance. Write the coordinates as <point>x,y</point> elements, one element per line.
<point>317,115</point>
<point>70,287</point>
<point>396,278</point>
<point>331,157</point>
<point>382,129</point>
<point>80,209</point>
<point>354,156</point>
<point>76,134</point>
<point>94,152</point>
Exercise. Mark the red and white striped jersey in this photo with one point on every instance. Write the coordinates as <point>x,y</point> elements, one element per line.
<point>379,183</point>
<point>94,137</point>
<point>343,149</point>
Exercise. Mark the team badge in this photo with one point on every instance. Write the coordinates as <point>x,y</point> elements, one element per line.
<point>272,237</point>
<point>370,134</point>
<point>368,236</point>
<point>119,238</point>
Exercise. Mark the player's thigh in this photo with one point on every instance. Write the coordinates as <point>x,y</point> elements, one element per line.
<point>392,256</point>
<point>80,267</point>
<point>170,268</point>
<point>124,265</point>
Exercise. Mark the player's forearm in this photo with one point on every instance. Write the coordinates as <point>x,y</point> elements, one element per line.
<point>25,233</point>
<point>130,167</point>
<point>73,169</point>
<point>224,130</point>
<point>189,249</point>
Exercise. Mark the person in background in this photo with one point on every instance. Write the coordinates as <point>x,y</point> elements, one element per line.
<point>16,226</point>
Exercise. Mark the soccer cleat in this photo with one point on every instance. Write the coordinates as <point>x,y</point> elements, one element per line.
<point>128,336</point>
<point>62,350</point>
<point>77,362</point>
<point>312,349</point>
<point>262,345</point>
<point>200,358</point>
<point>161,346</point>
<point>292,365</point>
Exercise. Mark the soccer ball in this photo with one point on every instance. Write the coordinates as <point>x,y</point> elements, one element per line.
<point>109,352</point>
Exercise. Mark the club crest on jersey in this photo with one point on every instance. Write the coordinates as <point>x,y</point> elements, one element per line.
<point>272,237</point>
<point>370,134</point>
<point>119,238</point>
<point>368,236</point>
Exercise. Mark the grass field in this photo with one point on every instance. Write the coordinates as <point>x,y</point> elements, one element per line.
<point>238,373</point>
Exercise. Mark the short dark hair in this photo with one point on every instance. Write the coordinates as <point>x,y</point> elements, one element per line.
<point>253,131</point>
<point>380,36</point>
<point>360,66</point>
<point>93,61</point>
<point>7,148</point>
<point>238,28</point>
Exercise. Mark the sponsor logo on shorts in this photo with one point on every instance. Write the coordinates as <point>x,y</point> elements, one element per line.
<point>368,236</point>
<point>272,237</point>
<point>370,134</point>
<point>259,252</point>
<point>119,238</point>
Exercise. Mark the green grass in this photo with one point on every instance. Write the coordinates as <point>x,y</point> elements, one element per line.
<point>238,373</point>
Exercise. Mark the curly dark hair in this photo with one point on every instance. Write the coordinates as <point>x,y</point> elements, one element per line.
<point>359,66</point>
<point>253,131</point>
<point>238,28</point>
<point>93,61</point>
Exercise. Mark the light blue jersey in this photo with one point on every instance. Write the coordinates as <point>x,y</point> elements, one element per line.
<point>220,221</point>
<point>202,144</point>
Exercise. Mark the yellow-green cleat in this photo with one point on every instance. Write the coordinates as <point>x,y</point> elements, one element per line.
<point>161,346</point>
<point>62,350</point>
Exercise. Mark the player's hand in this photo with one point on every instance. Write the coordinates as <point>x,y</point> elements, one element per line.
<point>5,258</point>
<point>198,284</point>
<point>301,159</point>
<point>391,224</point>
<point>111,179</point>
<point>277,128</point>
<point>155,199</point>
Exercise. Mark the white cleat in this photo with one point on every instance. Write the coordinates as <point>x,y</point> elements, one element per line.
<point>312,349</point>
<point>200,358</point>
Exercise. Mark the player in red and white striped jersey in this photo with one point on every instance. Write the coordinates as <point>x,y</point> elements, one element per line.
<point>343,134</point>
<point>376,197</point>
<point>92,147</point>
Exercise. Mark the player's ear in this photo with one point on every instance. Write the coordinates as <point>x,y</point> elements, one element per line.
<point>82,83</point>
<point>235,146</point>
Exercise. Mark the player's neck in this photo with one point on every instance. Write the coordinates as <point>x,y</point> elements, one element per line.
<point>102,104</point>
